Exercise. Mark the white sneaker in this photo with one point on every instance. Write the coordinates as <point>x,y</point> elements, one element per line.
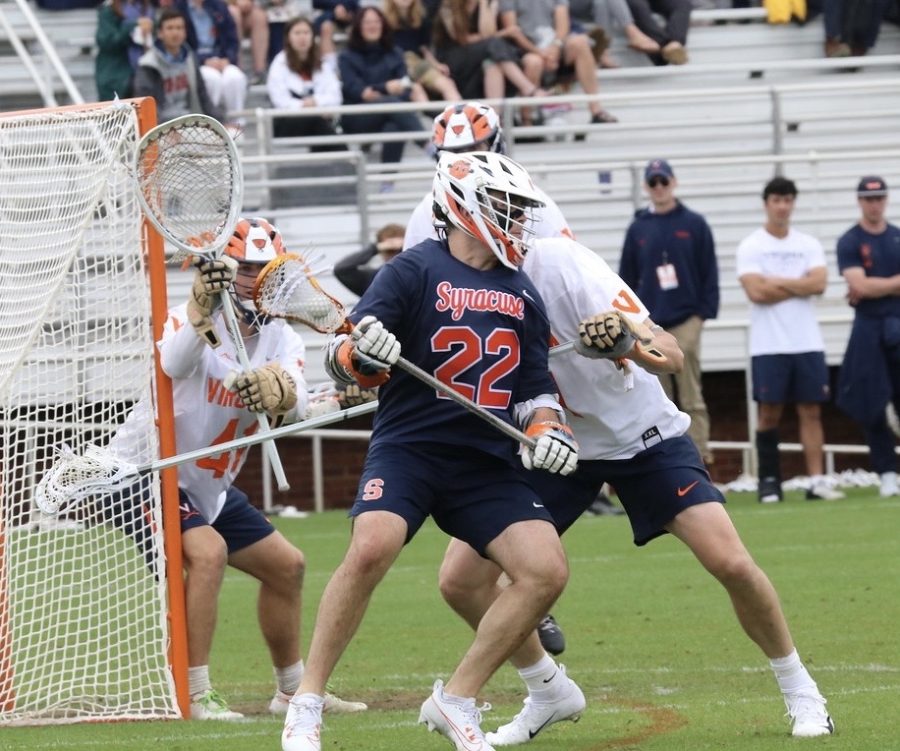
<point>808,714</point>
<point>535,716</point>
<point>822,491</point>
<point>303,724</point>
<point>211,706</point>
<point>889,485</point>
<point>461,723</point>
<point>333,704</point>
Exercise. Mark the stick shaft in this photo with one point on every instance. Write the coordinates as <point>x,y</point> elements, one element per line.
<point>244,360</point>
<point>489,417</point>
<point>286,430</point>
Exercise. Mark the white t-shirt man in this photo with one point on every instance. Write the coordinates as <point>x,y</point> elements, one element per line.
<point>614,414</point>
<point>789,326</point>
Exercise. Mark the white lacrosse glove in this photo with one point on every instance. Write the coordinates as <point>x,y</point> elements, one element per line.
<point>211,278</point>
<point>353,395</point>
<point>374,347</point>
<point>269,388</point>
<point>322,402</point>
<point>555,451</point>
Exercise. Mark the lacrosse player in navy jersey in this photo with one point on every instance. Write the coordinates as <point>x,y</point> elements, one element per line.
<point>462,311</point>
<point>632,436</point>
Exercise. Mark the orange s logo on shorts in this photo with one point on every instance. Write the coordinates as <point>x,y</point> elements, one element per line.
<point>373,489</point>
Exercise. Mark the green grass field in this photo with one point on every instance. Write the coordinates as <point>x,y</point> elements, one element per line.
<point>651,640</point>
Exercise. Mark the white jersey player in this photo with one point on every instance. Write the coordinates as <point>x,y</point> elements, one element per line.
<point>633,437</point>
<point>472,126</point>
<point>215,402</point>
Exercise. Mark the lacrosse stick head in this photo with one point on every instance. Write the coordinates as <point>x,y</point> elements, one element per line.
<point>287,288</point>
<point>190,184</point>
<point>74,477</point>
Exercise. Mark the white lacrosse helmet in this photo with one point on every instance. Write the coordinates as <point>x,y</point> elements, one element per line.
<point>468,126</point>
<point>490,197</point>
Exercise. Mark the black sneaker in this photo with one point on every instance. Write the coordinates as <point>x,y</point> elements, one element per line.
<point>770,490</point>
<point>552,638</point>
<point>602,506</point>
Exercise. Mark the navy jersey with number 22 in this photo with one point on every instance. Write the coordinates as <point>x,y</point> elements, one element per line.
<point>485,333</point>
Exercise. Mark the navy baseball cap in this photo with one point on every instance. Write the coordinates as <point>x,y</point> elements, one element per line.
<point>871,187</point>
<point>658,168</point>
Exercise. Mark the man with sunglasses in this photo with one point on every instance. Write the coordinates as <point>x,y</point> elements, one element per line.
<point>669,260</point>
<point>869,259</point>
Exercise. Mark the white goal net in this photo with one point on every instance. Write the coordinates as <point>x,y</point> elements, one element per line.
<point>83,612</point>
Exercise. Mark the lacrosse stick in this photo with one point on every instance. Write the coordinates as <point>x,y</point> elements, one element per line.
<point>74,477</point>
<point>190,186</point>
<point>287,288</point>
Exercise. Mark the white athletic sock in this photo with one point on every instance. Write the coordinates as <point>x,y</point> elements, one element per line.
<point>540,679</point>
<point>791,675</point>
<point>198,680</point>
<point>288,679</point>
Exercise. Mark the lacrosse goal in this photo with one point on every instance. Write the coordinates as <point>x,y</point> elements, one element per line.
<point>86,628</point>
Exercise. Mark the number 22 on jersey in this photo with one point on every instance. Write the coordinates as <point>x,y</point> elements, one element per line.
<point>470,349</point>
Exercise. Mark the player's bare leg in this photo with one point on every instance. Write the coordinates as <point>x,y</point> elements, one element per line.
<point>708,531</point>
<point>205,556</point>
<point>469,584</point>
<point>531,555</point>
<point>812,437</point>
<point>279,567</point>
<point>377,540</point>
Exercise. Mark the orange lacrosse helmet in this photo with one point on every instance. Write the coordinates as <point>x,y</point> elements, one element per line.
<point>255,241</point>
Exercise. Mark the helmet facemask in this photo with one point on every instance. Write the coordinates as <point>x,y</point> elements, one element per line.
<point>489,197</point>
<point>254,243</point>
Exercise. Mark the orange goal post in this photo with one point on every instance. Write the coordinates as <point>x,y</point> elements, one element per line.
<point>92,623</point>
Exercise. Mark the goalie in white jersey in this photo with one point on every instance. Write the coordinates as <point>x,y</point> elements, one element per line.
<point>214,403</point>
<point>632,436</point>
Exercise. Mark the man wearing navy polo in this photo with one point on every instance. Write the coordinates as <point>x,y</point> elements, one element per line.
<point>669,260</point>
<point>869,258</point>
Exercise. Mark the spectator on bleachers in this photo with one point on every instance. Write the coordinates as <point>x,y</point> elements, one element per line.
<point>851,26</point>
<point>610,14</point>
<point>357,270</point>
<point>543,29</point>
<point>252,21</point>
<point>669,260</point>
<point>670,36</point>
<point>781,270</point>
<point>481,59</point>
<point>119,22</point>
<point>300,76</point>
<point>213,35</point>
<point>334,15</point>
<point>170,73</point>
<point>412,34</point>
<point>868,256</point>
<point>373,71</point>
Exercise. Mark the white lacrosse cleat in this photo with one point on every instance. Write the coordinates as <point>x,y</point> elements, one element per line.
<point>820,490</point>
<point>809,717</point>
<point>460,722</point>
<point>303,724</point>
<point>333,704</point>
<point>535,716</point>
<point>211,706</point>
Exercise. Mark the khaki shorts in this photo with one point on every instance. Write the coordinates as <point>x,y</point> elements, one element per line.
<point>420,70</point>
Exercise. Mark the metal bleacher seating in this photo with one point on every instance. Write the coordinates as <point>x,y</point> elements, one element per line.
<point>753,99</point>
